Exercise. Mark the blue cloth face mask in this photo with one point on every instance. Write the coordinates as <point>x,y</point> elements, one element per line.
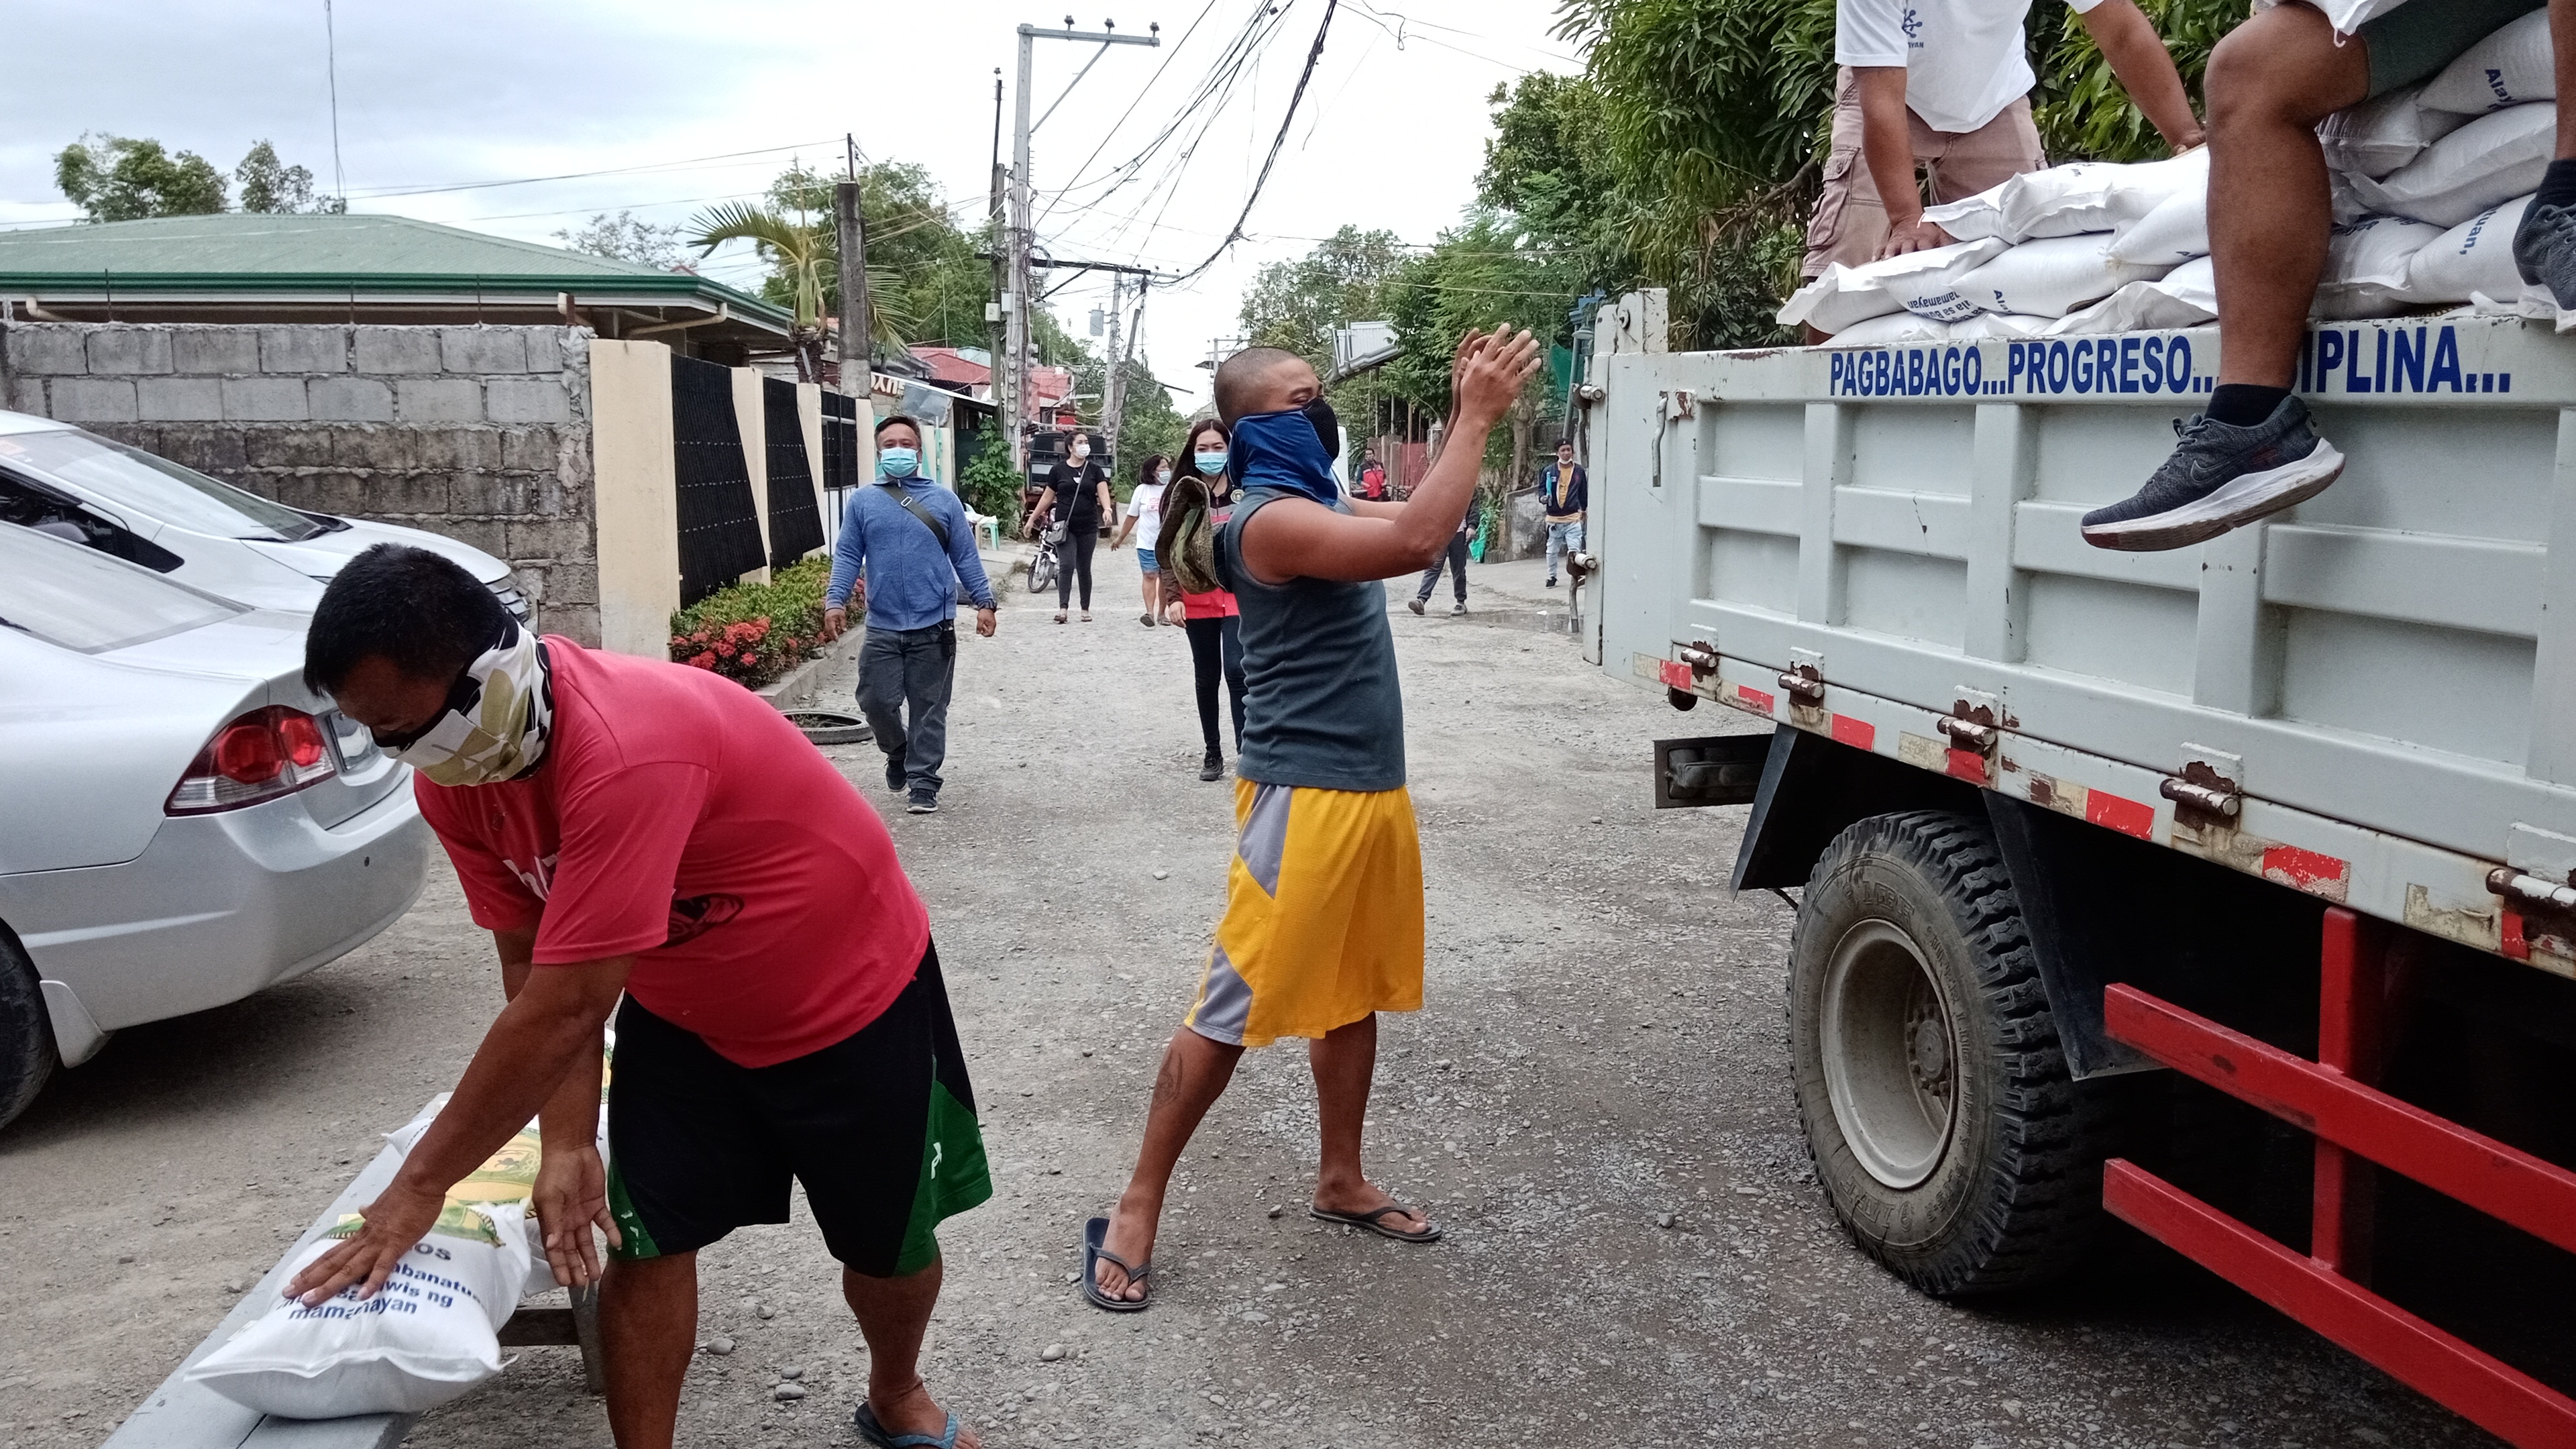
<point>1285,451</point>
<point>1210,464</point>
<point>898,462</point>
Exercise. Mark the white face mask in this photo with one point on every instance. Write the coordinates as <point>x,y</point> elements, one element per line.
<point>497,718</point>
<point>1163,476</point>
<point>1081,449</point>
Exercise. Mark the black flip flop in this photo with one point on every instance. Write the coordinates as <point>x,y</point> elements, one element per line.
<point>1093,1233</point>
<point>1375,1222</point>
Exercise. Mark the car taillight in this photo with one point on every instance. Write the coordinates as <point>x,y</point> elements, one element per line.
<point>266,753</point>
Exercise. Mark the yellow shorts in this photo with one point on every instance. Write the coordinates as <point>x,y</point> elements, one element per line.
<point>1323,915</point>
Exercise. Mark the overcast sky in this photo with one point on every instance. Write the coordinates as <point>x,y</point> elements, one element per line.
<point>468,91</point>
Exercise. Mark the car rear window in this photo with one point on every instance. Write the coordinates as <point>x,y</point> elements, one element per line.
<point>155,487</point>
<point>81,599</point>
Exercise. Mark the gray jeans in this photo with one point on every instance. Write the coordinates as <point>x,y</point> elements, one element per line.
<point>915,667</point>
<point>1562,539</point>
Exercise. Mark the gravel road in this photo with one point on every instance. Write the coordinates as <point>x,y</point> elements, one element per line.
<point>1593,1101</point>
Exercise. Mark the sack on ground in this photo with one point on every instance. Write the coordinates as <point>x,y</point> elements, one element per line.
<point>2376,137</point>
<point>2168,236</point>
<point>2187,296</point>
<point>2509,68</point>
<point>427,1337</point>
<point>2051,277</point>
<point>2472,259</point>
<point>1894,329</point>
<point>2366,262</point>
<point>2491,159</point>
<point>1836,300</point>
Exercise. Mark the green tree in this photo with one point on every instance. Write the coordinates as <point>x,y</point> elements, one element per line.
<point>804,257</point>
<point>121,178</point>
<point>2081,110</point>
<point>1299,304</point>
<point>626,239</point>
<point>271,186</point>
<point>921,265</point>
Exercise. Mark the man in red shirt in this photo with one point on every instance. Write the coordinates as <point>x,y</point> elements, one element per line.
<point>635,828</point>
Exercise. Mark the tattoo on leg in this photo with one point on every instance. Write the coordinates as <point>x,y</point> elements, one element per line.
<point>1167,1081</point>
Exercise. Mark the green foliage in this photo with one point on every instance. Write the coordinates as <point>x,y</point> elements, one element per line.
<point>271,187</point>
<point>1298,304</point>
<point>2081,110</point>
<point>120,178</point>
<point>922,268</point>
<point>755,633</point>
<point>988,483</point>
<point>625,239</point>
<point>123,178</point>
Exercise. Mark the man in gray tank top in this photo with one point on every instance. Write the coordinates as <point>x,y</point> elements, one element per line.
<point>1323,921</point>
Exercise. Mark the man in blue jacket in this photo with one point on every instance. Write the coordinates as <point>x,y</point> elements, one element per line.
<point>908,538</point>
<point>1562,486</point>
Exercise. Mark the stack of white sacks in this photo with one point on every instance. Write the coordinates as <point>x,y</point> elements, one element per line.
<point>2429,185</point>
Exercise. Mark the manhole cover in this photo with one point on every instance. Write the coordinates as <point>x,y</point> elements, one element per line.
<point>826,727</point>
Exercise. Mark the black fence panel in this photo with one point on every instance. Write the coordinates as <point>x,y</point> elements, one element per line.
<point>795,523</point>
<point>840,454</point>
<point>719,518</point>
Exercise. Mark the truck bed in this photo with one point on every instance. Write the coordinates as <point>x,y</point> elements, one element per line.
<point>2370,698</point>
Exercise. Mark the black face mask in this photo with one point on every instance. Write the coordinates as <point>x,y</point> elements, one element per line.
<point>1319,416</point>
<point>1328,428</point>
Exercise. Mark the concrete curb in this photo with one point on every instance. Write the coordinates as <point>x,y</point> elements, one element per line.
<point>801,687</point>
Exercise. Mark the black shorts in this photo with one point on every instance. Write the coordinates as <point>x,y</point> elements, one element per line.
<point>879,1127</point>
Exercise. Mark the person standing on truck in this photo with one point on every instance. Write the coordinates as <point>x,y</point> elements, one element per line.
<point>911,566</point>
<point>1946,84</point>
<point>653,841</point>
<point>2255,450</point>
<point>1323,926</point>
<point>1562,486</point>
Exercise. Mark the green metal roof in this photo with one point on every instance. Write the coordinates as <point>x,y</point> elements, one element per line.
<point>331,256</point>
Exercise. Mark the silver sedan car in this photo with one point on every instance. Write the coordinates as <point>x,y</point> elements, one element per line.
<point>202,531</point>
<point>182,822</point>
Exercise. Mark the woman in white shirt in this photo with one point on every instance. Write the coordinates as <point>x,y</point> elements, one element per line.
<point>1145,524</point>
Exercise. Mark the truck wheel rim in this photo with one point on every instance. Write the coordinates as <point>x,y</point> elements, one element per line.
<point>1890,1055</point>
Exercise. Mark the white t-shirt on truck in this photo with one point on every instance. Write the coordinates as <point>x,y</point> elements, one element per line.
<point>1965,60</point>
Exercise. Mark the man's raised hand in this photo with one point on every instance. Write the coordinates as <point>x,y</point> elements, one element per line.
<point>1489,378</point>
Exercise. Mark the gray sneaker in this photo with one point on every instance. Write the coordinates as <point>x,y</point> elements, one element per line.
<point>923,804</point>
<point>2220,477</point>
<point>2544,251</point>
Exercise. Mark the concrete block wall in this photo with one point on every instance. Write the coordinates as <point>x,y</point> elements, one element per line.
<point>480,433</point>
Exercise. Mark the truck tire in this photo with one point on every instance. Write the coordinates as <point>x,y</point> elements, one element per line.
<point>27,1055</point>
<point>1944,1128</point>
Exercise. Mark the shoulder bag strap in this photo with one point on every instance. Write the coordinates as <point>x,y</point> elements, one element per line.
<point>913,506</point>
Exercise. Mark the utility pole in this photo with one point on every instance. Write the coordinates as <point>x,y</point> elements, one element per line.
<point>1113,386</point>
<point>1016,300</point>
<point>999,326</point>
<point>855,329</point>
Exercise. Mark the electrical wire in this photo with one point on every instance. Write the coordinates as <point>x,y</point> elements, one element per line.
<point>382,192</point>
<point>1235,232</point>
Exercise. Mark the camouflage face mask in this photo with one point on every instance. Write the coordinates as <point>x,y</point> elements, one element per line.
<point>495,726</point>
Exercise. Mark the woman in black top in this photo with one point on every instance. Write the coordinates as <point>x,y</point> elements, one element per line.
<point>1076,495</point>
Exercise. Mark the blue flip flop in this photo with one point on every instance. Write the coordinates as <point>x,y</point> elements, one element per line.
<point>865,1421</point>
<point>1094,1233</point>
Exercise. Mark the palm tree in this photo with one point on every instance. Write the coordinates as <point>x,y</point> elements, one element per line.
<point>806,256</point>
